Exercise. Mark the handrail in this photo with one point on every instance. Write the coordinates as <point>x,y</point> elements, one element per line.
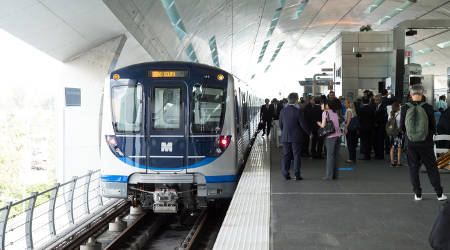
<point>31,228</point>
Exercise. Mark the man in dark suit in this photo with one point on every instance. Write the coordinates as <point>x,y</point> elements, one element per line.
<point>367,118</point>
<point>381,118</point>
<point>266,117</point>
<point>277,107</point>
<point>291,124</point>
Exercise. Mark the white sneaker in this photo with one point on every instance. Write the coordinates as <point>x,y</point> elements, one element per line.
<point>442,198</point>
<point>417,198</point>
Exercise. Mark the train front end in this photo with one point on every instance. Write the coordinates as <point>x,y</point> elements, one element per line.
<point>169,136</point>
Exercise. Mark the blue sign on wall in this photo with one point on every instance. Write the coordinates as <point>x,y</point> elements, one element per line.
<point>73,96</point>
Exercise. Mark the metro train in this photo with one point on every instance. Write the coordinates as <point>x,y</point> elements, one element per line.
<point>174,134</point>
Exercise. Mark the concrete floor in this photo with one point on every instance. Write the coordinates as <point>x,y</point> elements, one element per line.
<point>371,207</point>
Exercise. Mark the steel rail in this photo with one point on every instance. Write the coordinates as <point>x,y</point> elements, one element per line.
<point>133,231</point>
<point>196,228</point>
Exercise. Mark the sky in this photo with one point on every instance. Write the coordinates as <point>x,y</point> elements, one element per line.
<point>22,65</point>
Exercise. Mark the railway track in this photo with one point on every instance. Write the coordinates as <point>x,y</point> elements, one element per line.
<point>165,231</point>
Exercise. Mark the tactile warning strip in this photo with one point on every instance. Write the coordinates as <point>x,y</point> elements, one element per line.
<point>247,222</point>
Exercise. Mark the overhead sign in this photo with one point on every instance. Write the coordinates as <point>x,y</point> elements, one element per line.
<point>318,82</point>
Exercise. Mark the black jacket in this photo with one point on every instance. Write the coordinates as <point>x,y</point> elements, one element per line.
<point>431,125</point>
<point>292,123</point>
<point>276,112</point>
<point>266,113</point>
<point>366,116</point>
<point>316,116</point>
<point>381,117</point>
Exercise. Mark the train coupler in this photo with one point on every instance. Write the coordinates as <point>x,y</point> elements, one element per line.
<point>165,201</point>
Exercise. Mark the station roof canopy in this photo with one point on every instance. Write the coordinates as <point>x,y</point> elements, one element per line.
<point>246,37</point>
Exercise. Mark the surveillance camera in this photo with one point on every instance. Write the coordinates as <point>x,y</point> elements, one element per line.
<point>358,55</point>
<point>365,28</point>
<point>411,32</point>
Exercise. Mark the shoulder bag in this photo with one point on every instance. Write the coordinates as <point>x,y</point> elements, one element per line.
<point>328,129</point>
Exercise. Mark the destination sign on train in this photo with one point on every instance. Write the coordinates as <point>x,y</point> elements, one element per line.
<point>168,73</point>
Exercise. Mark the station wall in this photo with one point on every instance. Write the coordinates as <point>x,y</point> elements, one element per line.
<point>78,147</point>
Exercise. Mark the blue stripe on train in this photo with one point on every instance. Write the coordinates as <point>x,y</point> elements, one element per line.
<point>203,162</point>
<point>115,178</point>
<point>209,179</point>
<point>221,178</point>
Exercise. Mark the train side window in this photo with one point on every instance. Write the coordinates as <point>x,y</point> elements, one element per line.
<point>166,108</point>
<point>126,102</point>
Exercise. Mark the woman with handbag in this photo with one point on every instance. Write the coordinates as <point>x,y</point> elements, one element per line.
<point>351,130</point>
<point>329,127</point>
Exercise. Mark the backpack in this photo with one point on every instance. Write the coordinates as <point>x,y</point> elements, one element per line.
<point>438,237</point>
<point>391,126</point>
<point>416,123</point>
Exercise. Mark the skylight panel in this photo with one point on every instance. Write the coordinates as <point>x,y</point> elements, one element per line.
<point>267,68</point>
<point>191,53</point>
<point>174,17</point>
<point>310,60</point>
<point>424,51</point>
<point>177,24</point>
<point>275,53</point>
<point>395,12</point>
<point>328,44</point>
<point>373,6</point>
<point>214,52</point>
<point>444,45</point>
<point>299,10</point>
<point>428,64</point>
<point>263,50</point>
<point>276,17</point>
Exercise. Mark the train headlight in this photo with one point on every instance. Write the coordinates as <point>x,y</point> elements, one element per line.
<point>220,77</point>
<point>113,145</point>
<point>116,77</point>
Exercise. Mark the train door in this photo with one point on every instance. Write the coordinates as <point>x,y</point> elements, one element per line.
<point>167,132</point>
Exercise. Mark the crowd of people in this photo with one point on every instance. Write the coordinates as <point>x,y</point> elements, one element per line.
<point>315,127</point>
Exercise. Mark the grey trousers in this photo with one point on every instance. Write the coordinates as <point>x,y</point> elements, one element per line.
<point>333,144</point>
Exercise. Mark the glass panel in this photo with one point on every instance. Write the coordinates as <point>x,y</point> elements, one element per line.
<point>207,110</point>
<point>127,108</point>
<point>166,108</point>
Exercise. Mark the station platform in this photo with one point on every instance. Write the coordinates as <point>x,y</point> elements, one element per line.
<point>370,206</point>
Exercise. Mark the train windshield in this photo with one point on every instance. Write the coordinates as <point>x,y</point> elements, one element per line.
<point>166,108</point>
<point>207,110</point>
<point>127,108</point>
